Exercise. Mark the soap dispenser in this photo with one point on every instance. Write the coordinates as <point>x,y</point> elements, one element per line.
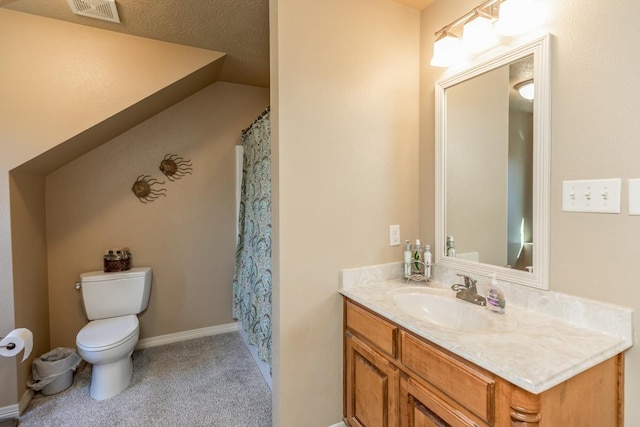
<point>407,260</point>
<point>495,297</point>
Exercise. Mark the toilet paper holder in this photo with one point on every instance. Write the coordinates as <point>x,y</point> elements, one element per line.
<point>9,346</point>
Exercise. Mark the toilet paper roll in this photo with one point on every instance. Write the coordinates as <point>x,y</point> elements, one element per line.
<point>23,340</point>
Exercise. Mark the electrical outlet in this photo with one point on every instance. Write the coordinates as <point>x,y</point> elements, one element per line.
<point>394,235</point>
<point>591,195</point>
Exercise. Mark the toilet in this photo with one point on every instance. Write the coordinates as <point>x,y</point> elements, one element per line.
<point>112,302</point>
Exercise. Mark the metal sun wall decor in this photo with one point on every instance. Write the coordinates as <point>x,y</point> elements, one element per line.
<point>172,166</point>
<point>175,167</point>
<point>143,190</point>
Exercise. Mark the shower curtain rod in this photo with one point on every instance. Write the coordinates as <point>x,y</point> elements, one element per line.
<point>248,128</point>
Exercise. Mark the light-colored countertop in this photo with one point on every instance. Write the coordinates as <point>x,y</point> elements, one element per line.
<point>535,349</point>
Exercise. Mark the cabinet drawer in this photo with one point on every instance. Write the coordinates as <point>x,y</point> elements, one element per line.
<point>429,410</point>
<point>464,384</point>
<point>372,328</point>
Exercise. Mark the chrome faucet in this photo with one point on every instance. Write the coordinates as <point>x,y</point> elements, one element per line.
<point>468,291</point>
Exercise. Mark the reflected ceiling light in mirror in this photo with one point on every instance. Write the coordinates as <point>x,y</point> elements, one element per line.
<point>526,89</point>
<point>478,34</point>
<point>447,50</point>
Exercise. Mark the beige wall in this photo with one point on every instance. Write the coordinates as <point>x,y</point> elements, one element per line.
<point>345,87</point>
<point>187,237</point>
<point>344,80</point>
<point>477,156</point>
<point>65,78</point>
<point>594,135</point>
<point>29,244</point>
<point>60,97</point>
<point>206,125</point>
<point>520,182</point>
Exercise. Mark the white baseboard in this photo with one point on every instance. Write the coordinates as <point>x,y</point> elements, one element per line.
<point>187,335</point>
<point>14,411</point>
<point>11,411</point>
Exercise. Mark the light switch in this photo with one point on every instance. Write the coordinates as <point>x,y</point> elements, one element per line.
<point>634,196</point>
<point>591,195</point>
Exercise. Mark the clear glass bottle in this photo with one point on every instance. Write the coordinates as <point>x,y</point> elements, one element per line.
<point>417,259</point>
<point>451,247</point>
<point>428,261</point>
<point>407,260</point>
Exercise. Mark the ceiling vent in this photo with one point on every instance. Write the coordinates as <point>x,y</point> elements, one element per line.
<point>100,9</point>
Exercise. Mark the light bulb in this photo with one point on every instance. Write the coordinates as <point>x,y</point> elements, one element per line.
<point>516,17</point>
<point>478,34</point>
<point>526,89</point>
<point>446,50</point>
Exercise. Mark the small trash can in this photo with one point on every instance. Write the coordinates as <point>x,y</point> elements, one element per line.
<point>52,372</point>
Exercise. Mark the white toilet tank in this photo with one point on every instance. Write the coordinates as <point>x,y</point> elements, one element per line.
<point>115,294</point>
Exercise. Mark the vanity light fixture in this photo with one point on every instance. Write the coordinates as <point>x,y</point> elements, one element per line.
<point>526,89</point>
<point>516,17</point>
<point>447,50</point>
<point>479,29</point>
<point>478,34</point>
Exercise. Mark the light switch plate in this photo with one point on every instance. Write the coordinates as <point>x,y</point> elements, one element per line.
<point>591,195</point>
<point>634,196</point>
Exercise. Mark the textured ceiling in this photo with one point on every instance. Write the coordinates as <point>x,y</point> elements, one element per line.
<point>239,28</point>
<point>520,71</point>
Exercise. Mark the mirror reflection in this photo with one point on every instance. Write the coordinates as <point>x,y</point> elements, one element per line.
<point>493,166</point>
<point>489,166</point>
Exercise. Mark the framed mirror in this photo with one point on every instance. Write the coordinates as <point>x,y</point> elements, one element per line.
<point>493,166</point>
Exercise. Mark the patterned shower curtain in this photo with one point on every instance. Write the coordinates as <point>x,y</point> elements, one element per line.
<point>252,272</point>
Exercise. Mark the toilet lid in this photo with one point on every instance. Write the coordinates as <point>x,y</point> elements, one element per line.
<point>107,332</point>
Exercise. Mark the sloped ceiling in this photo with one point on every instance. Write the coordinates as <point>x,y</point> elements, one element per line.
<point>67,88</point>
<point>240,28</point>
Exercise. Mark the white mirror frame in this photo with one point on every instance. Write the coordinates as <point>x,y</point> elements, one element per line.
<point>539,278</point>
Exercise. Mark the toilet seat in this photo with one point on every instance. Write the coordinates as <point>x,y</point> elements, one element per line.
<point>104,334</point>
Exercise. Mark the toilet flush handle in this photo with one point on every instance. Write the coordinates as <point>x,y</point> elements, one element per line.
<point>78,286</point>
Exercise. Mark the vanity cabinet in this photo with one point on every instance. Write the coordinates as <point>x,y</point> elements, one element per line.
<point>373,384</point>
<point>372,381</point>
<point>444,388</point>
<point>394,378</point>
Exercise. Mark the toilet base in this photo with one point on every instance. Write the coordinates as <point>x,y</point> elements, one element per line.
<point>111,379</point>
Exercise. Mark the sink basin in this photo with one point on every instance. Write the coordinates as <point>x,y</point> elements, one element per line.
<point>448,312</point>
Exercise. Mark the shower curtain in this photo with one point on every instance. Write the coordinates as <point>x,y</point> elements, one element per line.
<point>252,272</point>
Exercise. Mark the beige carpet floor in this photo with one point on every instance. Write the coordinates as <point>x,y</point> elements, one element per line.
<point>211,381</point>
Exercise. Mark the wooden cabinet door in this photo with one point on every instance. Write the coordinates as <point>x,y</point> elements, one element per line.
<point>371,386</point>
<point>423,407</point>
